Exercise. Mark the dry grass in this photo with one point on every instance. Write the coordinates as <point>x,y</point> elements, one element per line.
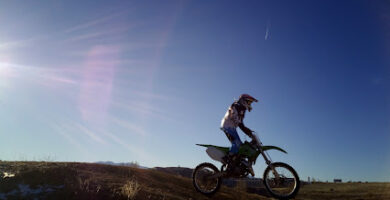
<point>345,191</point>
<point>130,189</point>
<point>240,187</point>
<point>98,181</point>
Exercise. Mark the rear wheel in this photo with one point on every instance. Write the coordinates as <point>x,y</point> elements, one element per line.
<point>282,182</point>
<point>202,181</point>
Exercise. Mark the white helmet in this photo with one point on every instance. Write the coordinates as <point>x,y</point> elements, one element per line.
<point>246,100</point>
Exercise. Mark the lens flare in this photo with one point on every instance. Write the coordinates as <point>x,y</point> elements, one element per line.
<point>96,85</point>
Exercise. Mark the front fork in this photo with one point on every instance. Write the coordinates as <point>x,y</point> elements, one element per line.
<point>268,160</point>
<point>269,163</point>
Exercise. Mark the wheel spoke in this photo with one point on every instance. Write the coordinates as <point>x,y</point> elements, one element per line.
<point>202,182</point>
<point>281,181</point>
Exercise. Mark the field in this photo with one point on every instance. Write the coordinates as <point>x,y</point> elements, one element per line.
<point>355,191</point>
<point>56,180</point>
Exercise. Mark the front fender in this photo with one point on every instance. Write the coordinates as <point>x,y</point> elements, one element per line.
<point>266,148</point>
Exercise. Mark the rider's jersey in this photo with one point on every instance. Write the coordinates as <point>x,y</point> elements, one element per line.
<point>234,118</point>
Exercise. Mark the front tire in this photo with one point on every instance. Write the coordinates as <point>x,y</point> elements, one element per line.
<point>200,181</point>
<point>283,185</point>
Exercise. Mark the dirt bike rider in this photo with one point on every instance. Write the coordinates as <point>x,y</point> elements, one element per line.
<point>233,119</point>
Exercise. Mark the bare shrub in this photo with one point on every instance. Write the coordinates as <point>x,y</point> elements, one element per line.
<point>130,189</point>
<point>83,184</point>
<point>134,164</point>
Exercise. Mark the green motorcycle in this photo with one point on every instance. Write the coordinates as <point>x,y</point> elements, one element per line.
<point>280,179</point>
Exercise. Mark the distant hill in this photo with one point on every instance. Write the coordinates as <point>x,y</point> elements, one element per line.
<point>181,171</point>
<point>129,164</point>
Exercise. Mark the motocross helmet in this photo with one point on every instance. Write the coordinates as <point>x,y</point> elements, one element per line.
<point>246,100</point>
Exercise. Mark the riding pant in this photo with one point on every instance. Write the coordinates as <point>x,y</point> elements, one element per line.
<point>234,138</point>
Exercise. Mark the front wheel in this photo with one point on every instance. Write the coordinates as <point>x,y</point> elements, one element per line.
<point>282,181</point>
<point>202,181</point>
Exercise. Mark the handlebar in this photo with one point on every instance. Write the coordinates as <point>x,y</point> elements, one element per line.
<point>256,141</point>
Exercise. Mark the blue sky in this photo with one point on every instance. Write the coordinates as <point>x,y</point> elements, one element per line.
<point>136,81</point>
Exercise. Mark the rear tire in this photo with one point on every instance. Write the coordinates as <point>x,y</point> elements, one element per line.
<point>288,178</point>
<point>200,181</point>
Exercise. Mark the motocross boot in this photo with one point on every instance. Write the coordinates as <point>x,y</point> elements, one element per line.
<point>231,160</point>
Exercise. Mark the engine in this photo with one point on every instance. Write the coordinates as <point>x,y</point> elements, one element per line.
<point>238,170</point>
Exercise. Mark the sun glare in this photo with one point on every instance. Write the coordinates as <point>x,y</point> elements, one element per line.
<point>4,70</point>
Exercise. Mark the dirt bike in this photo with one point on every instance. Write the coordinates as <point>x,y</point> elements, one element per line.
<point>280,179</point>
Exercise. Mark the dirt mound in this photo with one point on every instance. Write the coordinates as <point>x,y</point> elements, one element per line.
<point>55,180</point>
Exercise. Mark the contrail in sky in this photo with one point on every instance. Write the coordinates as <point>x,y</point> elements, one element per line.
<point>267,31</point>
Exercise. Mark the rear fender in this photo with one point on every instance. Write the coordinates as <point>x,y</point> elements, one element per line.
<point>223,149</point>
